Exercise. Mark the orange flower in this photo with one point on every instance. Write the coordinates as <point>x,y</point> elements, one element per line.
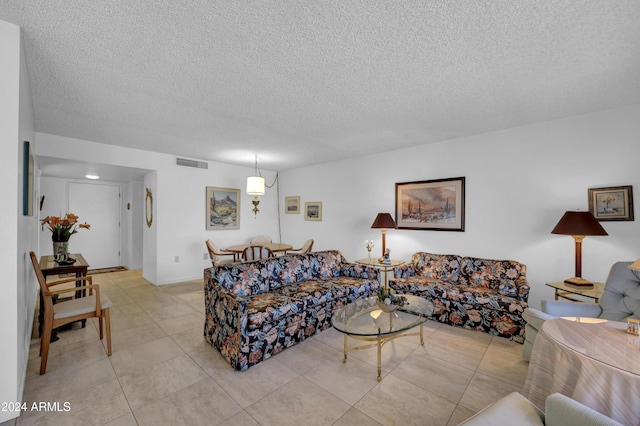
<point>63,229</point>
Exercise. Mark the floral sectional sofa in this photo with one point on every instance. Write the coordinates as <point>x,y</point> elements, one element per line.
<point>257,309</point>
<point>480,294</point>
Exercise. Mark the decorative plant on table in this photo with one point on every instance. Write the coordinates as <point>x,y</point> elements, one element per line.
<point>61,230</point>
<point>369,245</point>
<point>389,301</point>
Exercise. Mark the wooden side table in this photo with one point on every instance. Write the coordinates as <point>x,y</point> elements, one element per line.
<point>562,290</point>
<point>384,267</point>
<point>49,267</point>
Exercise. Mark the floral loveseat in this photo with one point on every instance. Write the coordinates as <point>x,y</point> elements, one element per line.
<point>256,309</point>
<point>481,294</point>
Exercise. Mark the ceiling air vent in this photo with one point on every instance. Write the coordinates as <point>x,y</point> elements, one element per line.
<point>192,163</point>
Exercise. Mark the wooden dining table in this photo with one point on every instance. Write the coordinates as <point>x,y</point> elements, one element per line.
<point>274,247</point>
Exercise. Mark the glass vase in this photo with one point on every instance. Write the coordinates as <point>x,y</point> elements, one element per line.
<point>60,250</point>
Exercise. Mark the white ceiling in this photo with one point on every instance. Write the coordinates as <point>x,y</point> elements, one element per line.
<point>306,82</point>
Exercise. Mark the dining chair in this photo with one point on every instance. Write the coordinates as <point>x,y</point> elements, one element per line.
<point>261,240</point>
<point>84,305</point>
<point>215,253</point>
<point>255,252</point>
<point>306,248</point>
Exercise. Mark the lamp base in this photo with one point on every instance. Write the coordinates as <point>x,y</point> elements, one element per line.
<point>579,282</point>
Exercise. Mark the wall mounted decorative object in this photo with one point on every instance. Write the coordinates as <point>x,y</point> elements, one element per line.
<point>27,181</point>
<point>148,208</point>
<point>611,203</point>
<point>436,205</point>
<point>223,208</point>
<point>292,205</point>
<point>313,211</point>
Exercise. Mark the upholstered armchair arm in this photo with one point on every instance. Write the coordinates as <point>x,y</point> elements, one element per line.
<point>561,308</point>
<point>535,318</point>
<point>562,410</point>
<point>523,289</point>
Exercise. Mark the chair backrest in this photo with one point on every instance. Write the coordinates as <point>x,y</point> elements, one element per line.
<point>255,252</point>
<point>261,239</point>
<point>621,296</point>
<point>213,249</point>
<point>306,247</point>
<point>42,282</point>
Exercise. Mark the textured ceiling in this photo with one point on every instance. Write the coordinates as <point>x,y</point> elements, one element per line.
<point>306,82</point>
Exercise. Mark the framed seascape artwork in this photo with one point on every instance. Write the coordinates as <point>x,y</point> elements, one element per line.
<point>611,203</point>
<point>223,208</point>
<point>436,205</point>
<point>313,211</point>
<point>292,205</point>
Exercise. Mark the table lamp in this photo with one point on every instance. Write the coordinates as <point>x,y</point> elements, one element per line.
<point>383,221</point>
<point>578,224</point>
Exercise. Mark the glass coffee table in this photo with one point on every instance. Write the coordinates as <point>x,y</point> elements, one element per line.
<point>363,320</point>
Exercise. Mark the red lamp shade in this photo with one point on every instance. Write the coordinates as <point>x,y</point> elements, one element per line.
<point>578,224</point>
<point>384,221</point>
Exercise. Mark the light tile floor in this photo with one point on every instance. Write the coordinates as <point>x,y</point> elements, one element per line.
<point>162,371</point>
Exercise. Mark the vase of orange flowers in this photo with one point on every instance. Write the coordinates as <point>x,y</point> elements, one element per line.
<point>61,230</point>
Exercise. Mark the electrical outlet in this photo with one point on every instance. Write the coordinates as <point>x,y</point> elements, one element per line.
<point>205,256</point>
<point>176,259</point>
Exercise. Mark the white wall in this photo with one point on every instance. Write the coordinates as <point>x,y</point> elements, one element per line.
<point>519,182</point>
<point>178,227</point>
<point>17,238</point>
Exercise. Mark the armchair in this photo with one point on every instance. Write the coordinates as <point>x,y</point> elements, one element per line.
<point>87,306</point>
<point>619,301</point>
<point>215,254</point>
<point>256,253</point>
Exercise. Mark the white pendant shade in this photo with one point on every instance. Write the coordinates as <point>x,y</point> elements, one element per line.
<point>255,185</point>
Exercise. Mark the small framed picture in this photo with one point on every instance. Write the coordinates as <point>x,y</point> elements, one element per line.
<point>292,205</point>
<point>611,203</point>
<point>313,211</point>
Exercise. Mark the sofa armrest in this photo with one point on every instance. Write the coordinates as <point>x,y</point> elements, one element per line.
<point>226,313</point>
<point>561,410</point>
<point>561,308</point>
<point>508,410</point>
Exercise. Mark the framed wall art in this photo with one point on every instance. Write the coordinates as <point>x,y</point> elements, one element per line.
<point>223,208</point>
<point>292,205</point>
<point>313,211</point>
<point>611,203</point>
<point>436,205</point>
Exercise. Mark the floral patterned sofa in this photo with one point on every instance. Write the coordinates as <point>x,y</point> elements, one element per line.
<point>480,294</point>
<point>257,309</point>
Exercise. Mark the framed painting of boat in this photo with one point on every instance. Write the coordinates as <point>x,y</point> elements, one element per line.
<point>434,205</point>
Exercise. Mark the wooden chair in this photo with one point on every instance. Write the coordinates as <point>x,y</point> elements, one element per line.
<point>260,240</point>
<point>215,253</point>
<point>65,312</point>
<point>256,253</point>
<point>306,248</point>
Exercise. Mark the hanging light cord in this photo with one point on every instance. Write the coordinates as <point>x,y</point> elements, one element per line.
<point>275,180</point>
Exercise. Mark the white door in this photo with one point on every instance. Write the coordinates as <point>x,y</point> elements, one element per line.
<point>98,205</point>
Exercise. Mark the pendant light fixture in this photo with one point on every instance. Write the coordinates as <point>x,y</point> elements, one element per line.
<point>255,187</point>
